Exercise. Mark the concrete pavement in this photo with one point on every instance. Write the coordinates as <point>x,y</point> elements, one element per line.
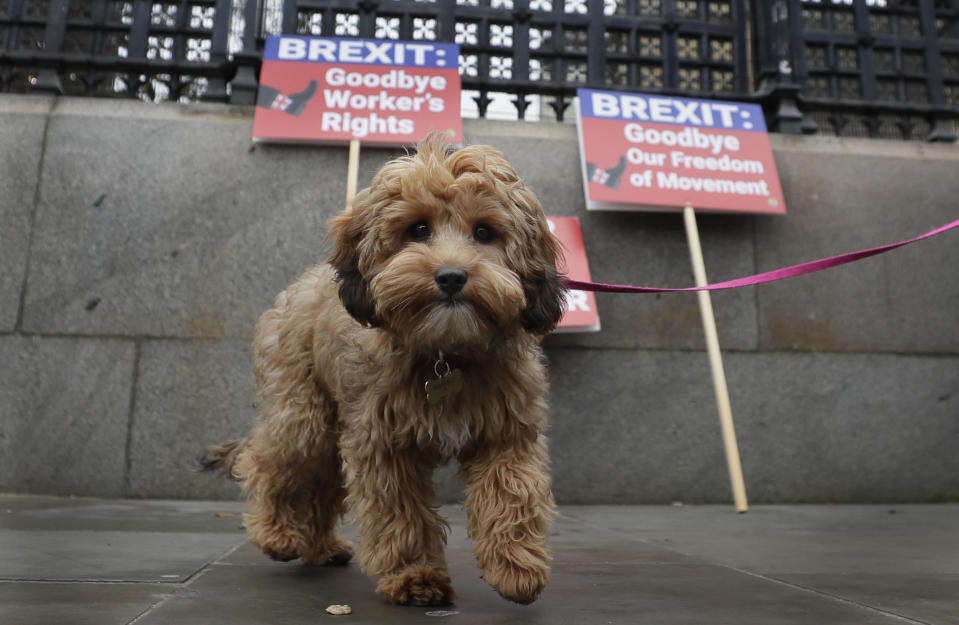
<point>114,562</point>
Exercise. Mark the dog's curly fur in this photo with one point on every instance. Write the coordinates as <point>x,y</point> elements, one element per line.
<point>340,363</point>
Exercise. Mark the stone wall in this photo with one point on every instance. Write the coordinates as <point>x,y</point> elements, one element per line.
<point>140,242</point>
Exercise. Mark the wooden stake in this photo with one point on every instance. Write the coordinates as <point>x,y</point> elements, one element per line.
<point>716,364</point>
<point>352,171</point>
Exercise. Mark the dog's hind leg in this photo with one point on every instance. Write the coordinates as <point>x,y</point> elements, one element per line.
<point>290,470</point>
<point>289,465</point>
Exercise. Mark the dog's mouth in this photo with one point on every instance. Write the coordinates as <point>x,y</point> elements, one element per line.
<point>462,307</point>
<point>454,305</point>
<point>452,301</point>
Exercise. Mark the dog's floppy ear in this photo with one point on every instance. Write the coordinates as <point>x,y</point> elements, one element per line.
<point>545,298</point>
<point>542,284</point>
<point>346,231</point>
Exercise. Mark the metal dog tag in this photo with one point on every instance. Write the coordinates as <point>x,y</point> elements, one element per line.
<point>444,386</point>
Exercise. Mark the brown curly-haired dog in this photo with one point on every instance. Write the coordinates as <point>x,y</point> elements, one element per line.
<point>446,277</point>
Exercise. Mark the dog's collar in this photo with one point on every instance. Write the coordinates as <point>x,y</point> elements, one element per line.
<point>445,381</point>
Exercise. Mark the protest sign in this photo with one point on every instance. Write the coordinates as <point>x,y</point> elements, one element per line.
<point>654,152</point>
<point>331,90</point>
<point>661,153</point>
<point>581,314</point>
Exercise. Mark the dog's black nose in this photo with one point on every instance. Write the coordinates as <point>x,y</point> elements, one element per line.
<point>450,279</point>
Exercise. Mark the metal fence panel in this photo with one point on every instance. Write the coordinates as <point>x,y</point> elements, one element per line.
<point>877,68</point>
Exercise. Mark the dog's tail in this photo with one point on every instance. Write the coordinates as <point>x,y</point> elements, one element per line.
<point>221,457</point>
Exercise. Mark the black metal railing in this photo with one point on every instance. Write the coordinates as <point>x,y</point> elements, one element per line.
<point>879,68</point>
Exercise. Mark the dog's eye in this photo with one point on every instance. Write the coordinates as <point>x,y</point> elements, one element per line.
<point>484,233</point>
<point>420,231</point>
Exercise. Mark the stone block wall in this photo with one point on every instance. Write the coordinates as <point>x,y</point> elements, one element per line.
<point>140,242</point>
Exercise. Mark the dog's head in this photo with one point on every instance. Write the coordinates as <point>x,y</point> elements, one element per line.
<point>448,248</point>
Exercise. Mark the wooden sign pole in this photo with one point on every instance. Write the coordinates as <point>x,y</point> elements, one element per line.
<point>352,171</point>
<point>716,364</point>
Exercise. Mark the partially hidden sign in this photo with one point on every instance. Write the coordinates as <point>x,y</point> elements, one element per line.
<point>324,89</point>
<point>654,152</point>
<point>581,314</point>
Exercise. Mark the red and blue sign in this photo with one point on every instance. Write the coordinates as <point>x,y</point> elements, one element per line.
<point>581,314</point>
<point>655,152</point>
<point>325,89</point>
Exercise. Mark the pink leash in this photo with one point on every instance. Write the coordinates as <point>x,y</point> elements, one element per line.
<point>761,278</point>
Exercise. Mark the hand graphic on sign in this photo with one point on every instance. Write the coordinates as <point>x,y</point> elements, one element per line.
<point>271,98</point>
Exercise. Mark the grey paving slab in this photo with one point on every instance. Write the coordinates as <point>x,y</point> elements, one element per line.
<point>902,301</point>
<point>622,586</point>
<point>64,407</point>
<point>898,558</point>
<point>584,592</point>
<point>182,228</point>
<point>106,515</point>
<point>856,565</point>
<point>50,539</point>
<point>116,556</point>
<point>30,603</point>
<point>924,598</point>
<point>777,540</point>
<point>189,395</point>
<point>21,135</point>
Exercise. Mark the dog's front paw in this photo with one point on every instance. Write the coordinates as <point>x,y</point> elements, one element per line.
<point>521,583</point>
<point>417,585</point>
